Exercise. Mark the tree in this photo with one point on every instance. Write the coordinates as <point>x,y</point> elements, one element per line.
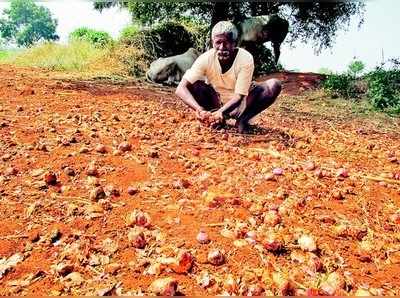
<point>25,23</point>
<point>310,21</point>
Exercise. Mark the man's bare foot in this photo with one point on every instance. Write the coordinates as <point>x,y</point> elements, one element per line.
<point>243,127</point>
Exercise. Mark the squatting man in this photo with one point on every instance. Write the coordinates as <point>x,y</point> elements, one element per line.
<point>219,84</point>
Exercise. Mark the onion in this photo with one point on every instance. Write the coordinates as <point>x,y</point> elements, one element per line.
<point>124,146</point>
<point>50,178</point>
<point>342,172</point>
<point>137,239</point>
<point>216,257</point>
<point>202,237</point>
<point>164,286</point>
<point>277,171</point>
<point>307,243</point>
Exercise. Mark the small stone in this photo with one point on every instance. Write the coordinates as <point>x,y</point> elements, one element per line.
<point>42,147</point>
<point>181,183</point>
<point>74,279</point>
<point>319,173</point>
<point>112,268</point>
<point>395,218</point>
<point>254,290</point>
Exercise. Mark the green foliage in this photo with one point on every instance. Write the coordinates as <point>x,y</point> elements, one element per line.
<point>355,68</point>
<point>310,21</point>
<point>141,47</point>
<point>165,39</point>
<point>381,86</point>
<point>3,54</point>
<point>198,30</point>
<point>264,60</point>
<point>96,38</point>
<point>129,33</point>
<point>340,85</point>
<point>26,23</point>
<point>384,89</point>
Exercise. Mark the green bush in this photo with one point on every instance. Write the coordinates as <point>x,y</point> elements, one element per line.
<point>340,85</point>
<point>355,68</point>
<point>138,48</point>
<point>128,34</point>
<point>96,38</point>
<point>166,39</point>
<point>384,89</point>
<point>264,61</point>
<point>200,33</point>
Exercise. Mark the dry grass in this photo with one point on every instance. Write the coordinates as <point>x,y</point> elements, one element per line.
<point>79,57</point>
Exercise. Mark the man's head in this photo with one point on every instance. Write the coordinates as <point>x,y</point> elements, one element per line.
<point>224,37</point>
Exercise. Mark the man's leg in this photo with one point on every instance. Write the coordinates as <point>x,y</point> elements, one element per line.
<point>259,98</point>
<point>205,95</point>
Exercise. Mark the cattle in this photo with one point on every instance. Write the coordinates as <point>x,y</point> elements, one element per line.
<point>170,70</point>
<point>258,30</point>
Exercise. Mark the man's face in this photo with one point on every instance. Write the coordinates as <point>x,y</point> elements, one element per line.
<point>225,47</point>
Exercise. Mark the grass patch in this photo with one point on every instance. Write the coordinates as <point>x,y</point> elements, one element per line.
<point>78,56</point>
<point>317,105</point>
<point>4,54</point>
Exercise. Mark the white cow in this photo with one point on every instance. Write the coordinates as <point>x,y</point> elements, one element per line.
<point>170,70</point>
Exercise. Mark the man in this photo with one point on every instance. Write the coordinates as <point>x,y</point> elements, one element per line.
<point>261,29</point>
<point>227,92</point>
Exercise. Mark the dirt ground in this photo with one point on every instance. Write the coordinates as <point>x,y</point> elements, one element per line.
<point>308,204</point>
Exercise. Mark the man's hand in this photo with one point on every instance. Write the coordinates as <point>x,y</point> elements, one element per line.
<point>217,117</point>
<point>203,116</point>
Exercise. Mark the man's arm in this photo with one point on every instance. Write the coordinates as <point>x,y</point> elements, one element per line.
<point>183,93</point>
<point>233,103</point>
<point>228,107</point>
